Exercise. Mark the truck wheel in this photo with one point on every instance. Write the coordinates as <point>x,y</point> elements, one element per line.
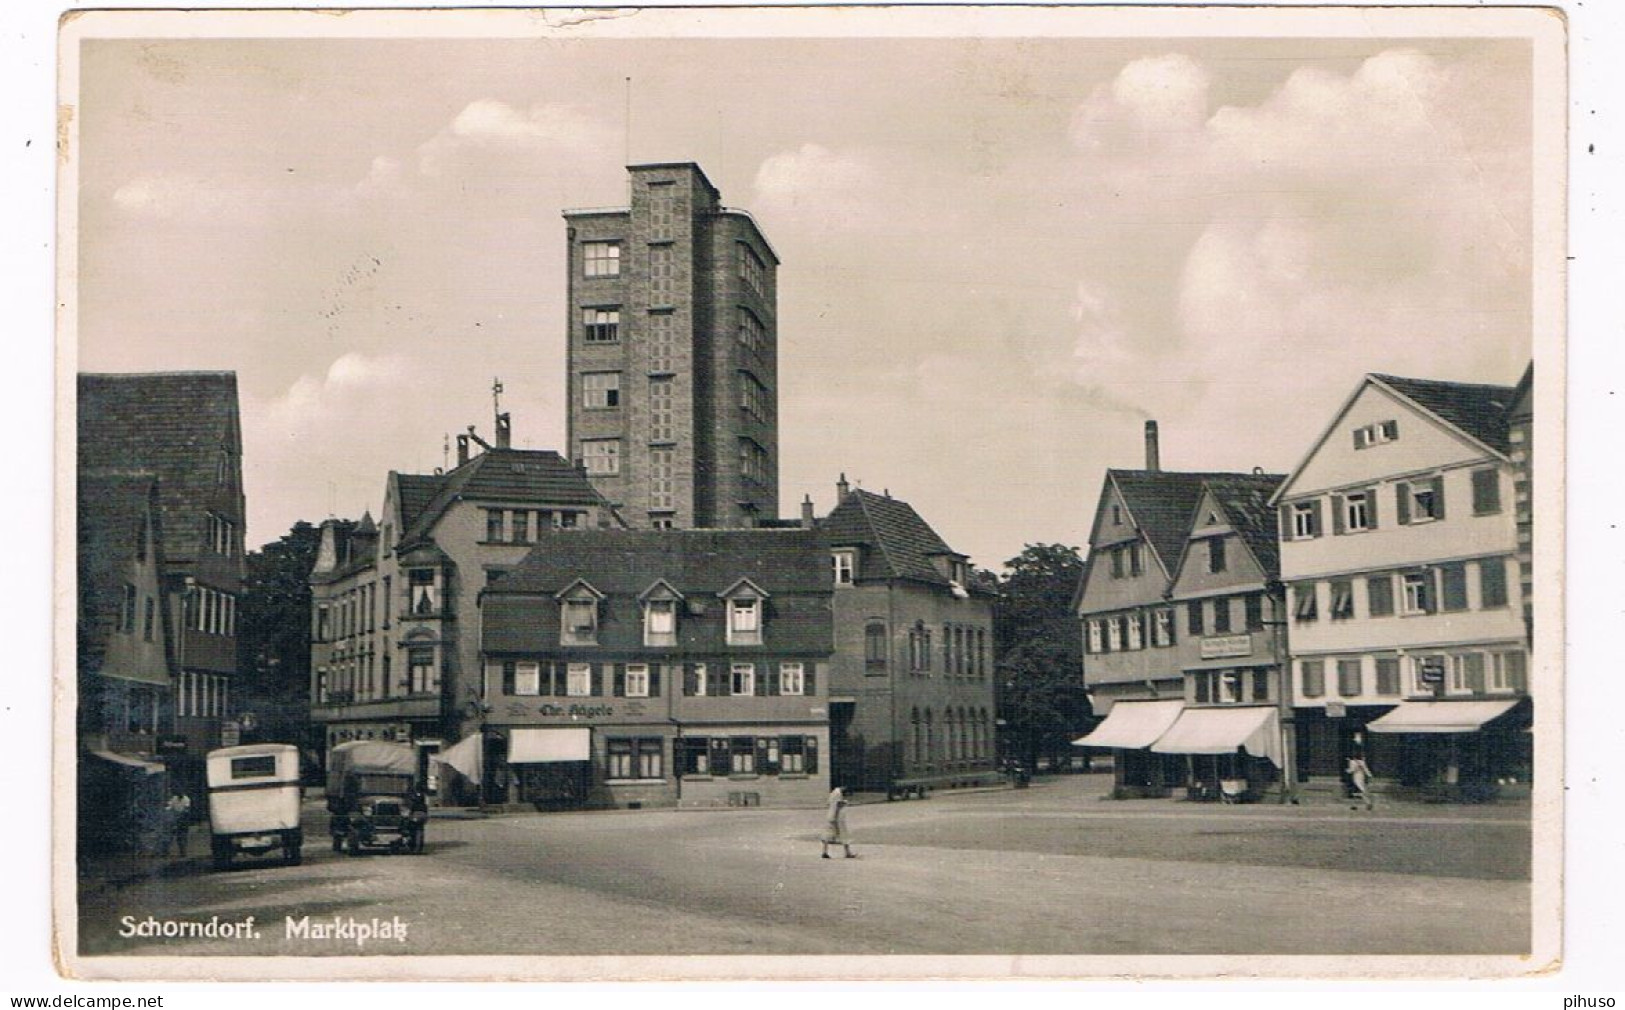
<point>222,854</point>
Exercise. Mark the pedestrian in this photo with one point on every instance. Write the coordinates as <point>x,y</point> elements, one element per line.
<point>1359,774</point>
<point>835,829</point>
<point>178,811</point>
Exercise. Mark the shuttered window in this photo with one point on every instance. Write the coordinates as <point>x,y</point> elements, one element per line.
<point>1492,582</point>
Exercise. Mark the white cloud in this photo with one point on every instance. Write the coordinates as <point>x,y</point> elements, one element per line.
<point>191,199</point>
<point>1347,222</point>
<point>354,383</point>
<point>815,185</point>
<point>1159,99</point>
<point>487,124</point>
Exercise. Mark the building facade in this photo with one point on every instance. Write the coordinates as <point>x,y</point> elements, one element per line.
<point>1228,628</point>
<point>1399,540</point>
<point>1174,604</point>
<point>125,670</point>
<point>182,429</point>
<point>912,697</point>
<point>660,668</point>
<point>395,619</point>
<point>673,354</point>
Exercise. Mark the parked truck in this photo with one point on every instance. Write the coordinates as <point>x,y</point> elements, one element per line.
<point>375,797</point>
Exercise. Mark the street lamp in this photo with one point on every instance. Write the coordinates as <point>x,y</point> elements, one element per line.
<point>1283,700</point>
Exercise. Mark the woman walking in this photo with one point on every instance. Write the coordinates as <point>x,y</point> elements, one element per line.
<point>835,828</point>
<point>1359,774</point>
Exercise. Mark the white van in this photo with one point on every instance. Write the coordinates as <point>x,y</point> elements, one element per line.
<point>254,802</point>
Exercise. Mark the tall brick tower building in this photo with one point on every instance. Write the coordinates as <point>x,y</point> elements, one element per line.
<point>673,354</point>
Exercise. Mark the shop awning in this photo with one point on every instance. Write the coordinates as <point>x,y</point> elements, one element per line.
<point>133,763</point>
<point>1222,730</point>
<point>465,757</point>
<point>1133,724</point>
<point>1440,716</point>
<point>540,746</point>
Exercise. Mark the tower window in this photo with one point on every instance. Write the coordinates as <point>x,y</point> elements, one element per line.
<point>602,259</point>
<point>751,269</point>
<point>603,325</point>
<point>601,390</point>
<point>602,456</point>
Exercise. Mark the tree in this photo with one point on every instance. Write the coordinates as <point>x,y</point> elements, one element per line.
<point>1035,593</point>
<point>273,636</point>
<point>1042,702</point>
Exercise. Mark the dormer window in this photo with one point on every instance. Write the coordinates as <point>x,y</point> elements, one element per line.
<point>744,622</point>
<point>578,615</point>
<point>660,614</point>
<point>580,622</point>
<point>846,563</point>
<point>742,610</point>
<point>660,622</point>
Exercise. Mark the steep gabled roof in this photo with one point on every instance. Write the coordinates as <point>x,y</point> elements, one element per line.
<point>504,475</point>
<point>697,563</point>
<point>1478,410</point>
<point>172,424</point>
<point>1245,499</point>
<point>416,491</point>
<point>1161,503</point>
<point>900,543</point>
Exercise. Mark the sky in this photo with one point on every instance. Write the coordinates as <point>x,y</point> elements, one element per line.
<point>1000,257</point>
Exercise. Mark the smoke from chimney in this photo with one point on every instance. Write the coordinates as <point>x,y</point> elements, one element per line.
<point>1153,461</point>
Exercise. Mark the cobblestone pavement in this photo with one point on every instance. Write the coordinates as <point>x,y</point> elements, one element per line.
<point>1049,870</point>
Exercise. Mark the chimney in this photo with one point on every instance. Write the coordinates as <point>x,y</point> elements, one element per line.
<point>462,449</point>
<point>806,512</point>
<point>842,489</point>
<point>1152,459</point>
<point>504,431</point>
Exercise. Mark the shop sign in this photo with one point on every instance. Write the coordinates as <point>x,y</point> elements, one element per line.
<point>1336,710</point>
<point>1227,646</point>
<point>558,710</point>
<point>1432,671</point>
<point>231,735</point>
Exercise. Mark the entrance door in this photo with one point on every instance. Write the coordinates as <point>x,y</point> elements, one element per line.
<point>846,764</point>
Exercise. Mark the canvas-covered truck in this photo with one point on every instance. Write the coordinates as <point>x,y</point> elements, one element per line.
<point>254,798</point>
<point>375,797</point>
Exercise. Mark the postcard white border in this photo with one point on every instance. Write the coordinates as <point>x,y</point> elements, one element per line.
<point>1543,27</point>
